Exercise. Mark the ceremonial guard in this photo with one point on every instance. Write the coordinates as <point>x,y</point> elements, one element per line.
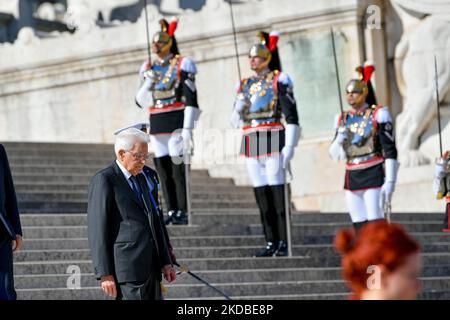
<point>365,140</point>
<point>268,140</point>
<point>442,185</point>
<point>168,91</point>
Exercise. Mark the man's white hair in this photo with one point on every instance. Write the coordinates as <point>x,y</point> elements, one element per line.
<point>126,139</point>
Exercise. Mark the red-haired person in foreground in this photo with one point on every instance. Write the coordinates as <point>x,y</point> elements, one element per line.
<point>381,263</point>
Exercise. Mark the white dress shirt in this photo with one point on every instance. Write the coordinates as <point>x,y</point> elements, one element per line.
<point>126,173</point>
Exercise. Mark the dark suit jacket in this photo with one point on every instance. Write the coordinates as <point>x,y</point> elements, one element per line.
<point>9,213</point>
<point>119,231</point>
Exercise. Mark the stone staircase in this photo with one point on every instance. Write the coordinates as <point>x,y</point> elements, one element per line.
<point>51,182</point>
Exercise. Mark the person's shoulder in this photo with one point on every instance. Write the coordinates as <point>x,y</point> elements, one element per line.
<point>104,174</point>
<point>382,114</point>
<point>188,65</point>
<point>285,79</point>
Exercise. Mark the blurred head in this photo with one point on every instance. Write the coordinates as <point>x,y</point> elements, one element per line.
<point>161,43</point>
<point>131,148</point>
<point>260,57</point>
<point>381,262</point>
<point>446,155</point>
<point>164,42</point>
<point>357,91</point>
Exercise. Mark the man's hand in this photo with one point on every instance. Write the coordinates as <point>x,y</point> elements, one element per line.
<point>109,286</point>
<point>18,243</point>
<point>186,136</point>
<point>149,74</point>
<point>336,150</point>
<point>342,135</point>
<point>169,273</point>
<point>235,119</point>
<point>387,189</point>
<point>287,153</point>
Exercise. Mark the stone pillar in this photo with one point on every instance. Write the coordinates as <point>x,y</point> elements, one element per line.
<point>372,14</point>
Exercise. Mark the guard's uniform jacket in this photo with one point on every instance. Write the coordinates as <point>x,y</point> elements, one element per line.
<point>173,88</point>
<point>266,98</point>
<point>370,141</point>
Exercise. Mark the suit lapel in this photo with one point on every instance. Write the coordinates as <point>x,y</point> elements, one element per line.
<point>123,184</point>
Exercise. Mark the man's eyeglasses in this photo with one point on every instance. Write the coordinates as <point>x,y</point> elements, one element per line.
<point>140,156</point>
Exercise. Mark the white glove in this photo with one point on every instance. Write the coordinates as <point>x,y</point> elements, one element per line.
<point>292,134</point>
<point>240,104</point>
<point>235,119</point>
<point>287,153</point>
<point>186,136</point>
<point>388,187</point>
<point>336,151</point>
<point>144,97</point>
<point>439,174</point>
<point>149,74</point>
<point>191,114</point>
<point>439,170</point>
<point>342,135</point>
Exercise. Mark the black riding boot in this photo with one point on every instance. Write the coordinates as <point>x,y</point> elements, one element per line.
<point>179,179</point>
<point>163,166</point>
<point>262,195</point>
<point>278,200</point>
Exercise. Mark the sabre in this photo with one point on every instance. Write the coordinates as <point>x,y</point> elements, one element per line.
<point>187,167</point>
<point>287,171</point>
<point>438,106</point>
<point>387,210</point>
<point>338,81</point>
<point>235,40</point>
<point>185,269</point>
<point>147,32</point>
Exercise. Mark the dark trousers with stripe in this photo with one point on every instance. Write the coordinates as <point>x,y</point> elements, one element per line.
<point>173,183</point>
<point>270,200</point>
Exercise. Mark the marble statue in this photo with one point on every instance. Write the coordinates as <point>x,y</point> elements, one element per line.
<point>426,32</point>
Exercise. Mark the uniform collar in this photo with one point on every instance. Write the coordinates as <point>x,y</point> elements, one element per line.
<point>166,59</point>
<point>360,110</point>
<point>262,74</point>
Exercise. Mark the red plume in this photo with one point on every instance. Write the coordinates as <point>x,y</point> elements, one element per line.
<point>273,40</point>
<point>172,27</point>
<point>369,68</point>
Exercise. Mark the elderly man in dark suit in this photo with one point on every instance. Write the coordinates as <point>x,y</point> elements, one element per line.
<point>127,236</point>
<point>10,229</point>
